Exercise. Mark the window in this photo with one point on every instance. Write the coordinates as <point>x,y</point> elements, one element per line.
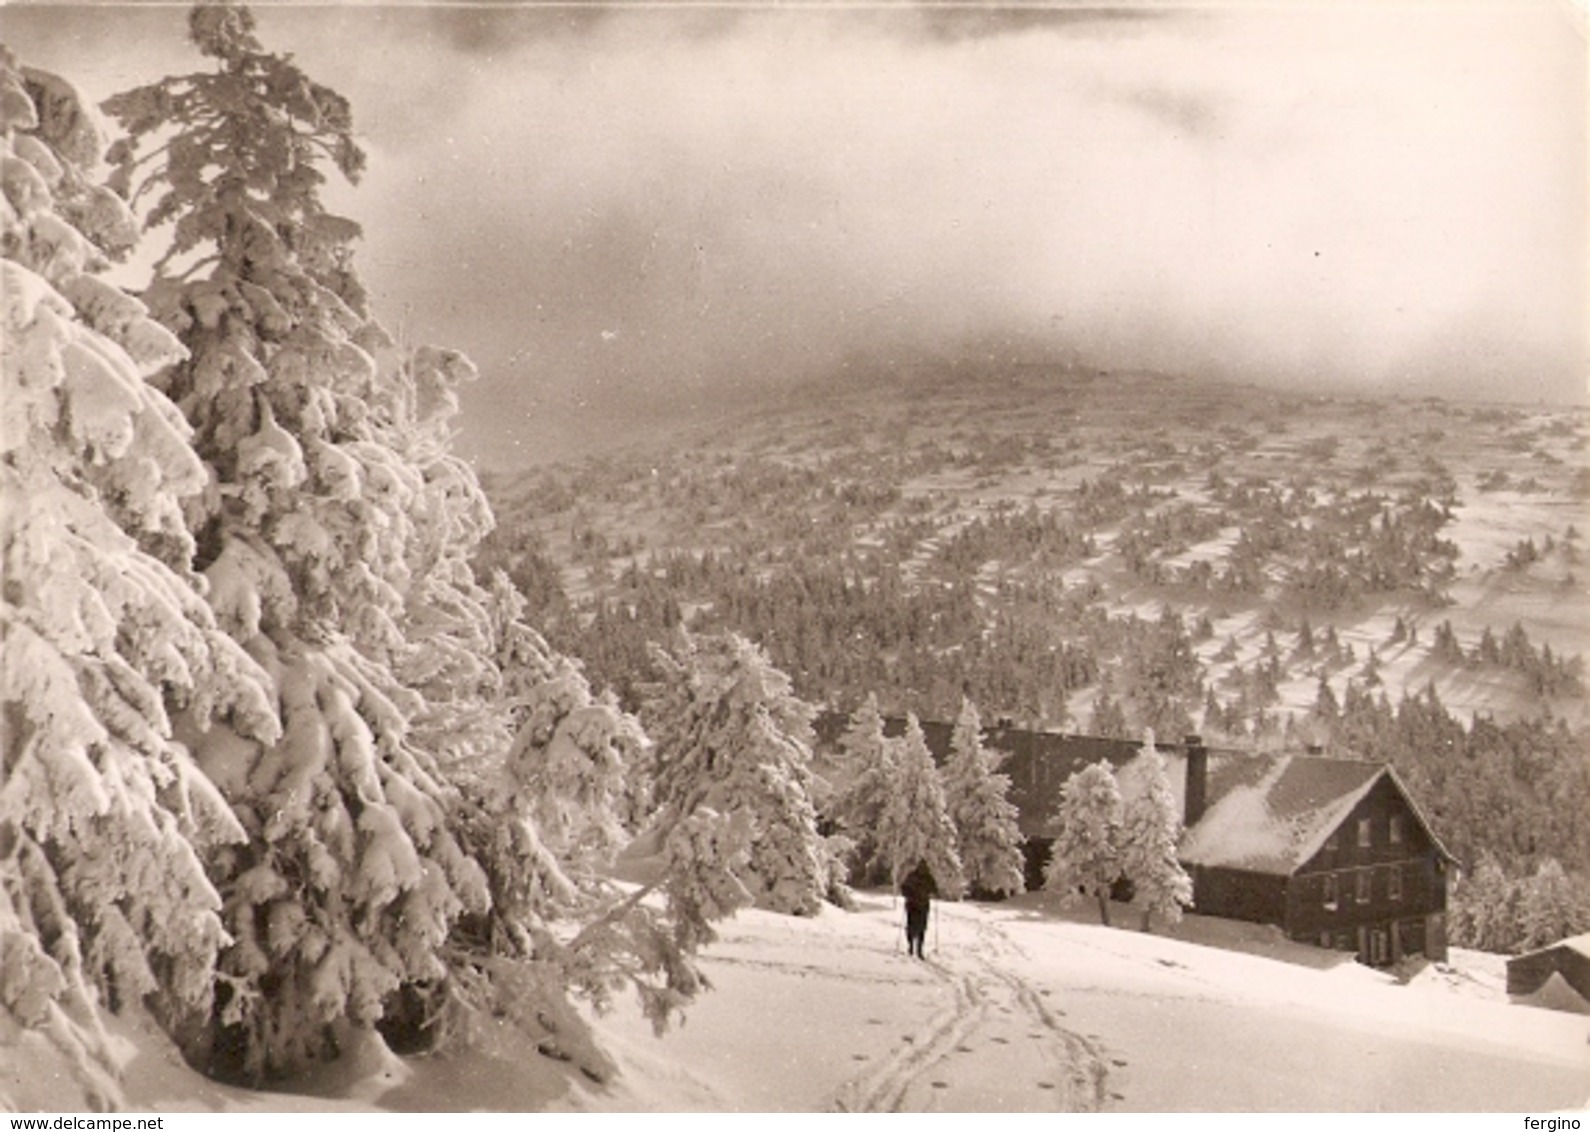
<point>1363,883</point>
<point>1333,842</point>
<point>1394,885</point>
<point>1331,894</point>
<point>1396,829</point>
<point>1379,948</point>
<point>1363,833</point>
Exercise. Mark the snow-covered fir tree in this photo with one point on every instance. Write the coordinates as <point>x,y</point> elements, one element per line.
<point>104,815</point>
<point>1086,857</point>
<point>1492,911</point>
<point>977,797</point>
<point>578,770</point>
<point>440,789</point>
<point>868,777</point>
<point>1109,716</point>
<point>733,753</point>
<point>351,877</point>
<point>1150,830</point>
<point>1552,907</point>
<point>1484,913</point>
<point>576,754</point>
<point>448,617</point>
<point>915,824</point>
<point>544,771</point>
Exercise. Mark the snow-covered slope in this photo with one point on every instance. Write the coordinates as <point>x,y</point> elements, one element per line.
<point>1018,1008</point>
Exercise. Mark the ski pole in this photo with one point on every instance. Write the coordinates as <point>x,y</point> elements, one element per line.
<point>935,927</point>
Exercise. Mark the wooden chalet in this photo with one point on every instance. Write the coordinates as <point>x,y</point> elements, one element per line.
<point>1333,851</point>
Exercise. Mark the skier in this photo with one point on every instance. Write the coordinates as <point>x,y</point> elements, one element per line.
<point>918,888</point>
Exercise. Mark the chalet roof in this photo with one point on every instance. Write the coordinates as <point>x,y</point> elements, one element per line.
<point>1270,813</point>
<point>1276,812</point>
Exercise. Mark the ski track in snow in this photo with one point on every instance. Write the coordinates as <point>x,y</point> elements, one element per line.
<point>989,1009</point>
<point>1021,1010</point>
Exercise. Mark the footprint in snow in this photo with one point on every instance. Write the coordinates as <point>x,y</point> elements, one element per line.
<point>1118,1063</point>
<point>1003,1041</point>
<point>1046,1084</point>
<point>941,1084</point>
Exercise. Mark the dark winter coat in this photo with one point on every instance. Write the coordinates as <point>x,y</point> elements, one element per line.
<point>919,888</point>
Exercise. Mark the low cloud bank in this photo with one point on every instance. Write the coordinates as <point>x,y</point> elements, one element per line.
<point>620,213</point>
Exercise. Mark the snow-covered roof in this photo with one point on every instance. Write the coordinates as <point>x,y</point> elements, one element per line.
<point>1267,813</point>
<point>1279,822</point>
<point>1579,943</point>
<point>1566,962</point>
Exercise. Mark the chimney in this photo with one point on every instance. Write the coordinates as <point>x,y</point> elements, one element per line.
<point>1197,780</point>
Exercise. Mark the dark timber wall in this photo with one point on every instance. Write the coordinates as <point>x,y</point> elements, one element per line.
<point>1378,887</point>
<point>1238,895</point>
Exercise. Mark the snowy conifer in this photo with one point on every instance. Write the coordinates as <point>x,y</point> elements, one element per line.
<point>351,877</point>
<point>1109,717</point>
<point>985,819</point>
<point>1086,855</point>
<point>1551,907</point>
<point>1150,831</point>
<point>732,738</point>
<point>104,815</point>
<point>869,778</point>
<point>546,821</point>
<point>574,750</point>
<point>915,825</point>
<point>442,789</point>
<point>1485,912</point>
<point>448,619</point>
<point>863,736</point>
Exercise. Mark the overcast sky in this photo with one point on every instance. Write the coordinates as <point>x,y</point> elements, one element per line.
<point>623,213</point>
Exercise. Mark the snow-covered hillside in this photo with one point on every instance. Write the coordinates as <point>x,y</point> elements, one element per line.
<point>1018,1008</point>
